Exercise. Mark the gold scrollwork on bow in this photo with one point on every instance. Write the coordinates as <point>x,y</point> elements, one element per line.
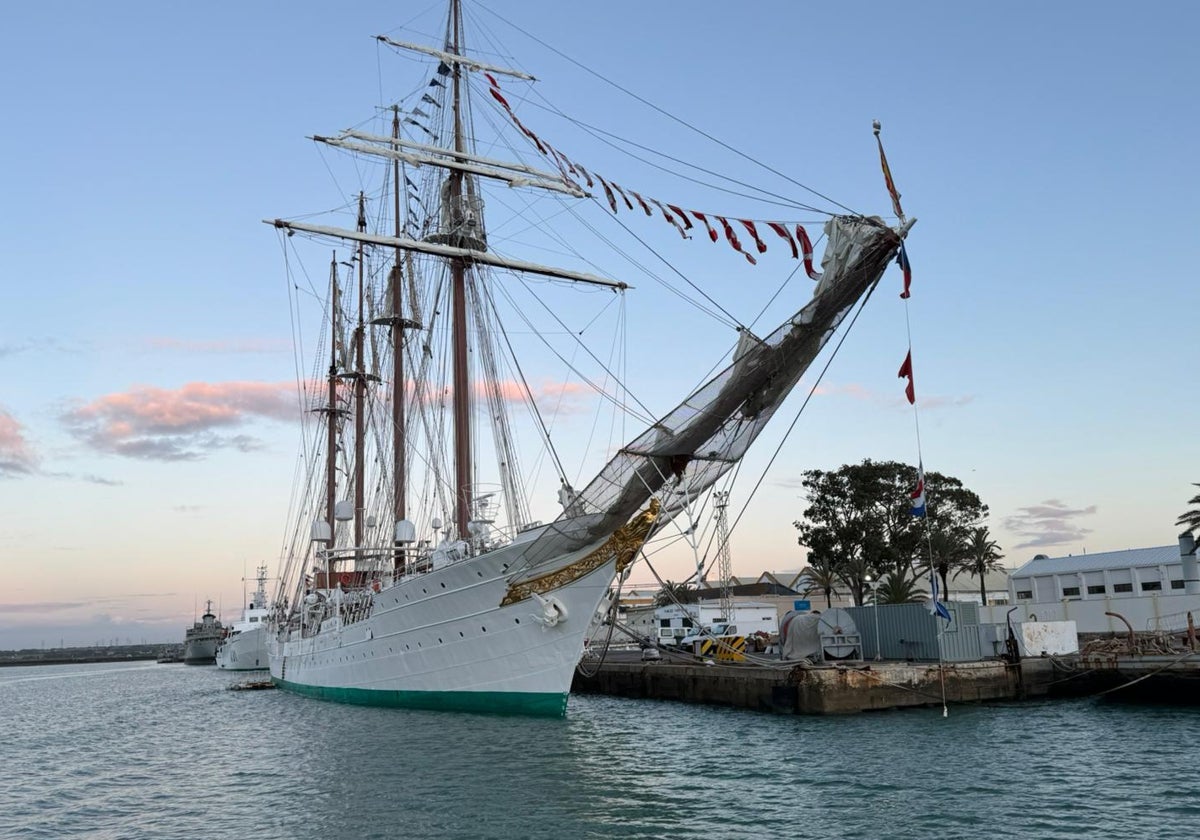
<point>622,546</point>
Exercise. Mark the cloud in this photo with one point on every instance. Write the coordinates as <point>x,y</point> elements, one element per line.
<point>792,482</point>
<point>16,456</point>
<point>40,345</point>
<point>246,345</point>
<point>181,424</point>
<point>550,395</point>
<point>43,607</point>
<point>1048,524</point>
<point>99,479</point>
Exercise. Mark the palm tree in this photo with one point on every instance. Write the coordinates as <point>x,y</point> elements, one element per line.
<point>947,548</point>
<point>1191,519</point>
<point>674,593</point>
<point>823,577</point>
<point>898,589</point>
<point>982,557</point>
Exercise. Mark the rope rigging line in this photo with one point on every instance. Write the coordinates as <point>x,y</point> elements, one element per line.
<point>520,372</point>
<point>731,320</point>
<point>646,416</point>
<point>728,319</point>
<point>760,194</point>
<point>569,207</point>
<point>670,116</point>
<point>574,173</point>
<point>807,398</point>
<point>918,494</point>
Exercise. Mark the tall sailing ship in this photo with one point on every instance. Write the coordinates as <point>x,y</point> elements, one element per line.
<point>416,573</point>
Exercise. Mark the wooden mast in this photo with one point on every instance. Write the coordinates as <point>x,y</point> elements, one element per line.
<point>360,389</point>
<point>458,270</point>
<point>331,415</point>
<point>399,390</point>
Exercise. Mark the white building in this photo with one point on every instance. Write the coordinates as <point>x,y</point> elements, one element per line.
<point>1151,588</point>
<point>669,623</point>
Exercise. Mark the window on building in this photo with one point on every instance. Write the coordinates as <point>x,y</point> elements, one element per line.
<point>1024,594</point>
<point>1122,587</point>
<point>1070,591</point>
<point>1177,584</point>
<point>664,622</point>
<point>1152,586</point>
<point>1097,590</point>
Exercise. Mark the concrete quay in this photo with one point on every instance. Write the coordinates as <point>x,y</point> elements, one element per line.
<point>781,688</point>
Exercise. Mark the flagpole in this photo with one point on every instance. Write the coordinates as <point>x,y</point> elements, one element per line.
<point>919,501</point>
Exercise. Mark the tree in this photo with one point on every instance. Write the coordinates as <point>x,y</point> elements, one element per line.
<point>859,522</point>
<point>946,549</point>
<point>1191,519</point>
<point>982,558</point>
<point>823,578</point>
<point>675,593</point>
<point>894,589</point>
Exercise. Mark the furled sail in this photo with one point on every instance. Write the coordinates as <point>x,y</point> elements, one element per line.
<point>709,432</point>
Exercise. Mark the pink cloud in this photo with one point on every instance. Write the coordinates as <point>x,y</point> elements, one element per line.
<point>1050,523</point>
<point>16,456</point>
<point>563,397</point>
<point>179,424</point>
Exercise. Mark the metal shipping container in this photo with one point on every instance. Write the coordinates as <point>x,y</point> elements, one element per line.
<point>909,632</point>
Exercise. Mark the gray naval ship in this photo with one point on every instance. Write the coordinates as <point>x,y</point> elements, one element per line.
<point>202,638</point>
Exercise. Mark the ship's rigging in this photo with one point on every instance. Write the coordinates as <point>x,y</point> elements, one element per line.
<point>420,380</point>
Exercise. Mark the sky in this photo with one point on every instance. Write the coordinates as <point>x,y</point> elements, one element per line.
<point>147,414</point>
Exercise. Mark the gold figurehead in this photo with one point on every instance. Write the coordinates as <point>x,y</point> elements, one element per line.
<point>622,546</point>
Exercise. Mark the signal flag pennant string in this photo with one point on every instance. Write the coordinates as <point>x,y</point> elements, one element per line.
<point>906,370</point>
<point>676,216</point>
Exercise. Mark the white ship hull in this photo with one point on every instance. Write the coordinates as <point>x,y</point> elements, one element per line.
<point>246,651</point>
<point>442,640</point>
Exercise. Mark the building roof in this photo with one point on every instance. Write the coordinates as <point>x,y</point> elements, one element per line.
<point>1129,558</point>
<point>712,593</point>
<point>967,582</point>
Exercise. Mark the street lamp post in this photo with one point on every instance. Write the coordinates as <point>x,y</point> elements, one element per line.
<point>874,584</point>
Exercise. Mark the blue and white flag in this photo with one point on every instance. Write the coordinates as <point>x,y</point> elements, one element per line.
<point>935,606</point>
<point>918,495</point>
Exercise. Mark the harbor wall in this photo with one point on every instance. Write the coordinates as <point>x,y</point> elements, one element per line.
<point>819,690</point>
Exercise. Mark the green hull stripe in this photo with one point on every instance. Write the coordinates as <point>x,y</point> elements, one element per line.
<point>491,702</point>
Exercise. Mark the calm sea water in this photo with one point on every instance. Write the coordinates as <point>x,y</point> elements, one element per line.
<point>166,751</point>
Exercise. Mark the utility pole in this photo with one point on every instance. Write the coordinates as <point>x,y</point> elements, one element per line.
<point>724,562</point>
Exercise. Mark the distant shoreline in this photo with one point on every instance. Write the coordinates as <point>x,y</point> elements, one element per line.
<point>79,660</point>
